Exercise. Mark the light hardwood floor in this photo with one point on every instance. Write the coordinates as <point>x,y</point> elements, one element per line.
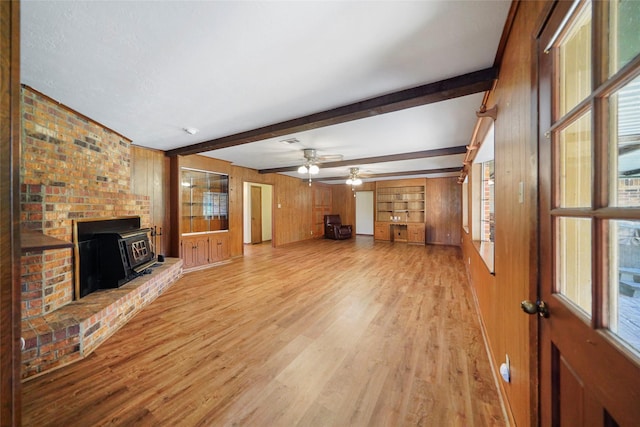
<point>317,333</point>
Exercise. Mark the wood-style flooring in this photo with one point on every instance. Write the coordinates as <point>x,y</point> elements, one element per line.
<point>317,333</point>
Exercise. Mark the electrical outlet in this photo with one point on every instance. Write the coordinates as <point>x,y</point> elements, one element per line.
<point>505,370</point>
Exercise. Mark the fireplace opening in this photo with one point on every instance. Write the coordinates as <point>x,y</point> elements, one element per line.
<point>109,253</point>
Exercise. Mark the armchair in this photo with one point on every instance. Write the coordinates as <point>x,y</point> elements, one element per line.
<point>334,229</point>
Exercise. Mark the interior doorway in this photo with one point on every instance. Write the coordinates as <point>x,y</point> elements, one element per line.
<point>257,213</point>
<point>364,212</point>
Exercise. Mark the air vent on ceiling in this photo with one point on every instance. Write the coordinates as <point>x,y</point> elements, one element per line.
<point>290,141</point>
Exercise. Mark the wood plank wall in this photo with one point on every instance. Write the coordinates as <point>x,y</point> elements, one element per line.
<point>443,214</point>
<point>508,329</point>
<point>322,197</point>
<point>150,177</point>
<point>10,325</point>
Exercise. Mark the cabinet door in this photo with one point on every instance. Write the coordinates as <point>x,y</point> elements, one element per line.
<point>187,253</point>
<point>195,251</point>
<point>416,233</point>
<point>219,247</point>
<point>202,250</point>
<point>381,231</point>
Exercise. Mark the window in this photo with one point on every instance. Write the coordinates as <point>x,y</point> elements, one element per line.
<point>483,198</point>
<point>465,204</point>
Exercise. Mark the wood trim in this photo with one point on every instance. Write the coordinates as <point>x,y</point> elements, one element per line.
<point>466,84</point>
<point>10,292</point>
<point>449,151</point>
<point>504,38</point>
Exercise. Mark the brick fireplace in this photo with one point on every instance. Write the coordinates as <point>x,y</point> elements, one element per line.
<point>72,169</point>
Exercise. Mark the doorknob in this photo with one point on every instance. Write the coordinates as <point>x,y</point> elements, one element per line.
<point>539,307</point>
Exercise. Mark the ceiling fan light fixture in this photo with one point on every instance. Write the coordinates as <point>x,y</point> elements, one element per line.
<point>303,169</point>
<point>314,169</point>
<point>353,177</point>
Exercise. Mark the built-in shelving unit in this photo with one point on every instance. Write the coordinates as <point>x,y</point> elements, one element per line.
<point>401,211</point>
<point>401,204</point>
<point>205,201</point>
<point>204,217</point>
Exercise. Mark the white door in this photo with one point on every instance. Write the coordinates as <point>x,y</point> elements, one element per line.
<point>364,212</point>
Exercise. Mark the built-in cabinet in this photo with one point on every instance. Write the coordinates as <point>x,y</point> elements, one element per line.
<point>416,233</point>
<point>401,211</point>
<point>202,218</point>
<point>202,249</point>
<point>205,201</point>
<point>194,250</point>
<point>218,247</point>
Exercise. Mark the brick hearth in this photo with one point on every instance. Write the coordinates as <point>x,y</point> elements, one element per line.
<point>75,330</point>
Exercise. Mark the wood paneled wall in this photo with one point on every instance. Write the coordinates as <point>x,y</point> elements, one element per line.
<point>443,214</point>
<point>509,330</point>
<point>292,212</point>
<point>322,200</point>
<point>10,286</point>
<point>150,177</point>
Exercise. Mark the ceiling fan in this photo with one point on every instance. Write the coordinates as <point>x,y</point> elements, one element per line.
<point>312,159</point>
<point>355,178</point>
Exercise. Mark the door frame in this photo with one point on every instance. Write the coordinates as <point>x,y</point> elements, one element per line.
<point>255,211</point>
<point>246,211</point>
<point>10,261</point>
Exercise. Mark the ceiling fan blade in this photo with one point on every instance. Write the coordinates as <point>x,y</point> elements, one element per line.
<point>329,158</point>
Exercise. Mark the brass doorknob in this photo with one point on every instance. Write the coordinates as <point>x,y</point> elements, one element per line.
<point>531,307</point>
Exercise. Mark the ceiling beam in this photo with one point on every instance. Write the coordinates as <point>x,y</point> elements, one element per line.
<point>391,174</point>
<point>466,84</point>
<point>461,149</point>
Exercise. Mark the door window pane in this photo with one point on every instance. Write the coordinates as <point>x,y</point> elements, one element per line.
<point>625,37</point>
<point>575,163</point>
<point>625,145</point>
<point>575,62</point>
<point>624,292</point>
<point>573,272</point>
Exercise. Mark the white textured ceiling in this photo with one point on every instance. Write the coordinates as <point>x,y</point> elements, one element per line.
<point>148,69</point>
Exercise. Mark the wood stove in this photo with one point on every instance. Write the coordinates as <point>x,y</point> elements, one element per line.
<point>109,253</point>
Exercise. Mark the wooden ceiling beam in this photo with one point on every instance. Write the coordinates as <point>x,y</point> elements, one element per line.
<point>448,151</point>
<point>466,84</point>
<point>392,174</point>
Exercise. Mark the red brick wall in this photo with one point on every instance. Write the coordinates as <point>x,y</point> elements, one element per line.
<point>71,168</point>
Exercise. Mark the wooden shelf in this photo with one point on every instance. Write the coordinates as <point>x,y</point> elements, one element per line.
<point>32,241</point>
<point>401,203</point>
